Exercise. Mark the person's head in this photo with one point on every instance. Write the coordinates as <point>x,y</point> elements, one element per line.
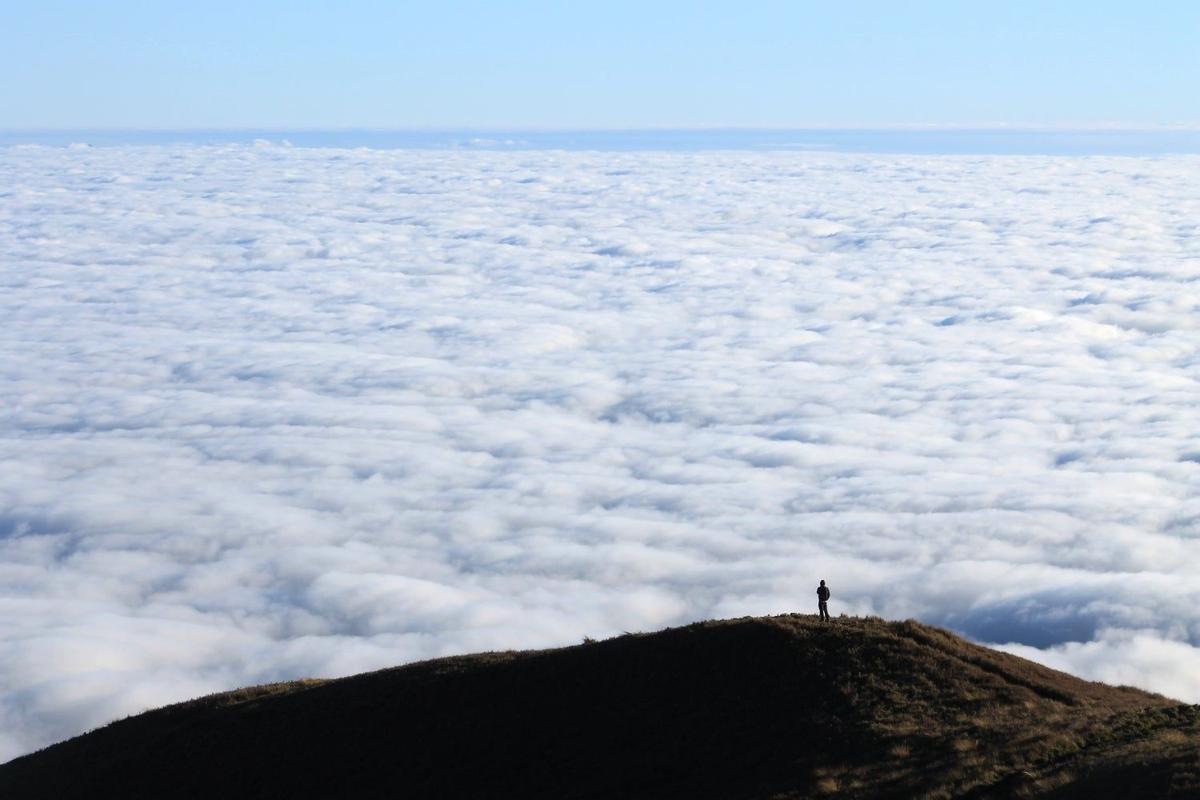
<point>822,583</point>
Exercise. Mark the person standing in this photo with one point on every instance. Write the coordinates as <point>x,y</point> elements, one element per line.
<point>823,601</point>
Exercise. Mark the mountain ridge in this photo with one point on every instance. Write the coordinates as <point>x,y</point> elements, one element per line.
<point>755,707</point>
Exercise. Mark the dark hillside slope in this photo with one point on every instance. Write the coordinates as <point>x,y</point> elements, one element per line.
<point>777,707</point>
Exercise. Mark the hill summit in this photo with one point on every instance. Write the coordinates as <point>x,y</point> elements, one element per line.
<point>771,707</point>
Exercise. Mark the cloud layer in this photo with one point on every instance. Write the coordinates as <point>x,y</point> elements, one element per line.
<point>270,412</point>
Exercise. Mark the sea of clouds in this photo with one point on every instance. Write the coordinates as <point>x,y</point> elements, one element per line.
<point>271,412</point>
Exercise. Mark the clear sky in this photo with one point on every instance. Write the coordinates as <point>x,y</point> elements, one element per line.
<point>517,63</point>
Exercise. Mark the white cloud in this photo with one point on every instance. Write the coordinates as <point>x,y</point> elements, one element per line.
<point>268,412</point>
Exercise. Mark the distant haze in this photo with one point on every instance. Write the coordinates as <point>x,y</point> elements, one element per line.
<point>924,141</point>
<point>271,411</point>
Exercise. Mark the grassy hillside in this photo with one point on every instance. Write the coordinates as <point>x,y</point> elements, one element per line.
<point>778,707</point>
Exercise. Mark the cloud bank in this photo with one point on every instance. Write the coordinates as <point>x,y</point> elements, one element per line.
<point>270,412</point>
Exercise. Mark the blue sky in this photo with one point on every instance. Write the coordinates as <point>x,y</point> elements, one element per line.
<point>129,64</point>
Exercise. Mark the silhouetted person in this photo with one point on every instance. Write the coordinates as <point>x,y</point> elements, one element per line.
<point>823,601</point>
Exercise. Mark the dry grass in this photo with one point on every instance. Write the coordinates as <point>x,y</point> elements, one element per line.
<point>827,786</point>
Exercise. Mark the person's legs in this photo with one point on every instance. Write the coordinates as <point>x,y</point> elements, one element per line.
<point>824,610</point>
